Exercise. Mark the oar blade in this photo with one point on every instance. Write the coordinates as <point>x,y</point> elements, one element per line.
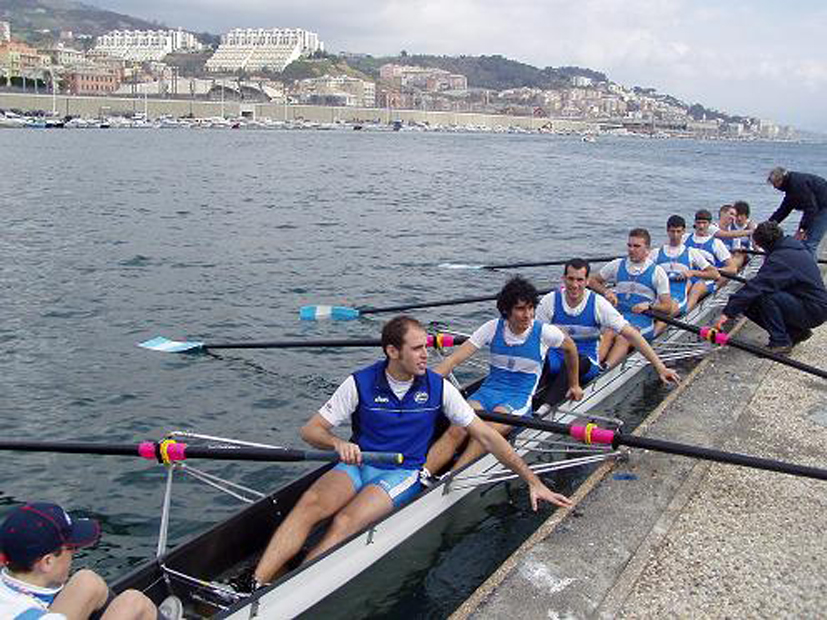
<point>459,266</point>
<point>334,313</point>
<point>165,345</point>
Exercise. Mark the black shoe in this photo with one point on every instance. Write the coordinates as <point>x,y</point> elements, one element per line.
<point>799,337</point>
<point>245,583</point>
<point>780,349</point>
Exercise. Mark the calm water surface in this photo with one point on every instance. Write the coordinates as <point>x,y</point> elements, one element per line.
<point>112,237</point>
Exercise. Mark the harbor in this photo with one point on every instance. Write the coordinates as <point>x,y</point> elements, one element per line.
<point>665,536</point>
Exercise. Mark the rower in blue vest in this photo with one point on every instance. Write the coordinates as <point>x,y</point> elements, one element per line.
<point>584,315</point>
<point>713,249</point>
<point>392,405</point>
<point>640,286</point>
<point>682,264</point>
<point>518,345</point>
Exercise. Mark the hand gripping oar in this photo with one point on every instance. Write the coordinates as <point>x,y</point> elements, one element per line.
<point>548,263</point>
<point>760,253</point>
<point>715,336</point>
<point>169,451</point>
<point>345,313</point>
<point>166,345</point>
<point>591,434</point>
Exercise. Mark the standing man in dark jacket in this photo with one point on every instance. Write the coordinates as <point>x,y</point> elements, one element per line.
<point>787,296</point>
<point>807,193</point>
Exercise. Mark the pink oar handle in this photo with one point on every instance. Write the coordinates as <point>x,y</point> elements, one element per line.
<point>713,335</point>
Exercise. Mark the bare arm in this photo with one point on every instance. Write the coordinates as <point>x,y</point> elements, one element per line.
<point>466,350</point>
<point>496,444</point>
<point>572,357</point>
<point>732,234</point>
<point>710,273</point>
<point>598,285</point>
<point>666,375</point>
<point>317,432</point>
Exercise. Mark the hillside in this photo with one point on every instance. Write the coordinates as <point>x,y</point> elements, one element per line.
<point>494,72</point>
<point>37,21</point>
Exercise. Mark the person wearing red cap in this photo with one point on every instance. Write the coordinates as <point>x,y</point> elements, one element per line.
<point>37,541</point>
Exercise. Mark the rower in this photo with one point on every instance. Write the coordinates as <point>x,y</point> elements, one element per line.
<point>37,541</point>
<point>742,223</point>
<point>682,264</point>
<point>640,286</point>
<point>713,249</point>
<point>518,346</point>
<point>584,314</point>
<point>725,229</point>
<point>393,405</point>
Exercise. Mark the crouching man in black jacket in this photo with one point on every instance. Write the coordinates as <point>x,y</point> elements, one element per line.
<point>787,296</point>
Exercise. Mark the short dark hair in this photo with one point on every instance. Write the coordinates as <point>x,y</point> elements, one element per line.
<point>394,331</point>
<point>741,207</point>
<point>724,208</point>
<point>517,289</point>
<point>27,567</point>
<point>642,233</point>
<point>703,214</point>
<point>577,263</point>
<point>767,234</point>
<point>675,221</point>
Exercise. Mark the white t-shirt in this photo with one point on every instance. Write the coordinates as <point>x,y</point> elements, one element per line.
<point>550,337</point>
<point>697,260</point>
<point>607,314</point>
<point>17,597</point>
<point>340,407</point>
<point>661,281</point>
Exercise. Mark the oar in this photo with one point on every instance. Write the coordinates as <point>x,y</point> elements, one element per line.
<point>722,338</point>
<point>548,263</point>
<point>760,253</point>
<point>345,313</point>
<point>169,451</point>
<point>732,276</point>
<point>166,345</point>
<point>592,434</point>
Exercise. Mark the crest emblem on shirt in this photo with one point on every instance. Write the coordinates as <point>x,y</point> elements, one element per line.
<point>511,363</point>
<point>421,397</point>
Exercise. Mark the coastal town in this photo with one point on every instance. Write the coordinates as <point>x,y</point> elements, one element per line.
<point>254,66</point>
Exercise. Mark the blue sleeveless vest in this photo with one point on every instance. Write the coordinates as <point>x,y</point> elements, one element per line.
<point>384,423</point>
<point>673,266</point>
<point>632,290</point>
<point>583,328</point>
<point>515,369</point>
<point>705,248</point>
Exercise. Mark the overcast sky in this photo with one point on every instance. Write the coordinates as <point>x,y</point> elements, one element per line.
<point>758,58</point>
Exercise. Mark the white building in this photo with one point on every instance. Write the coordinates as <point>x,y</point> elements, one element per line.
<point>338,89</point>
<point>5,31</point>
<point>143,45</point>
<point>253,49</point>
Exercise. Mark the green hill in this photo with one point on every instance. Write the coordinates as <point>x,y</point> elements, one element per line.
<point>38,21</point>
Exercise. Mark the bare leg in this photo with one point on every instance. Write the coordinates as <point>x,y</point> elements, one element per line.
<point>607,339</point>
<point>618,352</point>
<point>444,449</point>
<point>474,448</point>
<point>86,592</point>
<point>696,293</point>
<point>674,310</point>
<point>371,504</point>
<point>324,497</point>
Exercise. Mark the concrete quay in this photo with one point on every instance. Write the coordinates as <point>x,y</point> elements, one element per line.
<point>668,536</point>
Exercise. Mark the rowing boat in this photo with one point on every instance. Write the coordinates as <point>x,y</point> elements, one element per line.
<point>198,570</point>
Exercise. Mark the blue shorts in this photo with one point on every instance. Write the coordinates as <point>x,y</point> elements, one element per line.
<point>490,397</point>
<point>710,284</point>
<point>400,484</point>
<point>682,306</point>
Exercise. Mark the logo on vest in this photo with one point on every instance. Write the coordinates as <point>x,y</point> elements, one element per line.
<point>511,363</point>
<point>381,399</point>
<point>421,397</point>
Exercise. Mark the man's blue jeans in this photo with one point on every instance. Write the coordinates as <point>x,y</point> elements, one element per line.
<point>815,232</point>
<point>783,316</point>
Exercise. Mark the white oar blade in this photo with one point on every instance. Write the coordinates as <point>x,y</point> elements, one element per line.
<point>165,345</point>
<point>335,313</point>
<point>459,266</point>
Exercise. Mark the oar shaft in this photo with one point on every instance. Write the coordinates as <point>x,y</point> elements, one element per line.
<point>719,456</point>
<point>434,304</point>
<point>603,436</point>
<point>760,253</point>
<point>295,344</point>
<point>732,276</point>
<point>180,451</point>
<point>549,263</point>
<point>722,338</point>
